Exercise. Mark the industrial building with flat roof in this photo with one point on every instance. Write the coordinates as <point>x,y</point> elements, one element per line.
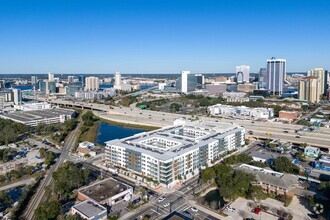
<point>43,116</point>
<point>108,191</point>
<point>176,152</point>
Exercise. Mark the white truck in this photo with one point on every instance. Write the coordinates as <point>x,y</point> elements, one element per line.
<point>113,170</point>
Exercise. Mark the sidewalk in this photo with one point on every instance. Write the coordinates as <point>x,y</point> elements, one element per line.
<point>20,183</point>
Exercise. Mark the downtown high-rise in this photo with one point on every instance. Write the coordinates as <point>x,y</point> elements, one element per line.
<point>322,75</point>
<point>309,89</point>
<point>275,75</point>
<point>92,83</point>
<point>242,73</point>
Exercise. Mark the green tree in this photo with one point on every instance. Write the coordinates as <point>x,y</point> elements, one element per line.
<point>283,164</point>
<point>50,157</point>
<point>68,178</point>
<point>175,107</point>
<point>240,158</point>
<point>258,164</point>
<point>267,142</point>
<point>4,198</point>
<point>325,188</point>
<point>48,210</point>
<point>207,174</point>
<point>72,217</point>
<point>237,185</point>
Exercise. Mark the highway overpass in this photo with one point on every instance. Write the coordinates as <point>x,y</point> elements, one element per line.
<point>286,132</point>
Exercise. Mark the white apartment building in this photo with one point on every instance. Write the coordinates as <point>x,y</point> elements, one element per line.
<point>175,152</point>
<point>255,113</point>
<point>92,83</point>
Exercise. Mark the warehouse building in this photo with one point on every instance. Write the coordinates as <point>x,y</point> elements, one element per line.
<point>176,152</point>
<point>43,116</point>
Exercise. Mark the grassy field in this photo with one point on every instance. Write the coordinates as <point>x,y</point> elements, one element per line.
<point>90,135</point>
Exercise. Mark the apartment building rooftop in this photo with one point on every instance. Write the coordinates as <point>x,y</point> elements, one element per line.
<point>172,141</point>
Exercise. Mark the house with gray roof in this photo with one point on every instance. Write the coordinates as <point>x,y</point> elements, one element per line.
<point>271,181</point>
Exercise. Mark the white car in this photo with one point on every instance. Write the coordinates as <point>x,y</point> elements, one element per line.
<point>166,204</point>
<point>160,199</point>
<point>229,208</point>
<point>138,183</point>
<point>194,209</point>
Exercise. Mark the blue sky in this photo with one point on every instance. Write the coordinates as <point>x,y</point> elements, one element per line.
<point>161,36</point>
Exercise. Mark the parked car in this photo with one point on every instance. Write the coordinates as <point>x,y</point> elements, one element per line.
<point>161,199</point>
<point>186,213</point>
<point>194,209</point>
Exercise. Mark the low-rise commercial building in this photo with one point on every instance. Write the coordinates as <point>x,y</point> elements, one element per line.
<point>233,94</point>
<point>176,152</point>
<point>264,157</point>
<point>238,99</point>
<point>256,113</point>
<point>87,148</point>
<point>89,210</point>
<point>311,151</point>
<point>44,116</point>
<point>216,89</point>
<point>288,115</point>
<point>271,181</point>
<point>106,192</point>
<point>248,87</point>
<point>323,163</point>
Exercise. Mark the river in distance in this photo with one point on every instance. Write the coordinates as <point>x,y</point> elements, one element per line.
<point>107,132</point>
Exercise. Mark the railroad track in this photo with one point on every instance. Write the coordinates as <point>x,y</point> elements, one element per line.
<point>40,194</point>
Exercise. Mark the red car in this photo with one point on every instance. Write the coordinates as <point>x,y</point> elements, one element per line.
<point>257,211</point>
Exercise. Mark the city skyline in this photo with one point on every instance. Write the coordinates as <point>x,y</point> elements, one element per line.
<point>161,36</point>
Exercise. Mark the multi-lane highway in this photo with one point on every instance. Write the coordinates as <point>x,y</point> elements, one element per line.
<point>285,132</point>
<point>40,194</point>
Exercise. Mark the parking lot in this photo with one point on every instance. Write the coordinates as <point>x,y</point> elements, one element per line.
<point>273,209</point>
<point>24,157</point>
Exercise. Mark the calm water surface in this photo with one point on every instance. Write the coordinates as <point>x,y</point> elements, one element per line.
<point>109,132</point>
